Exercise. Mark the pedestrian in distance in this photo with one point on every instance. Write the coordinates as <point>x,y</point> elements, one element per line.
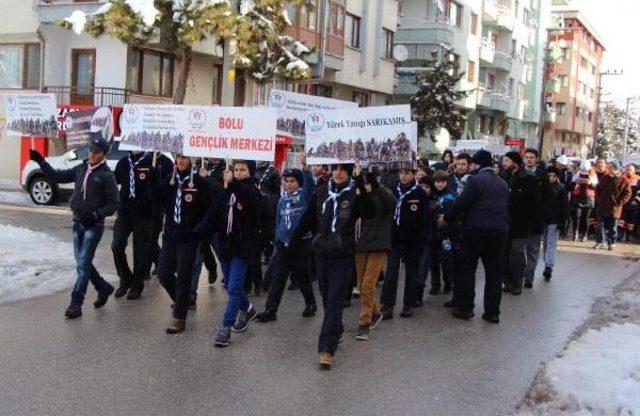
<point>612,193</point>
<point>532,165</point>
<point>555,206</point>
<point>95,197</point>
<point>441,238</point>
<point>582,200</point>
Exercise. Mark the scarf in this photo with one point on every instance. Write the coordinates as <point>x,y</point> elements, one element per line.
<point>132,174</point>
<point>333,198</point>
<point>232,202</point>
<point>177,212</point>
<point>90,169</point>
<point>401,197</point>
<point>287,210</point>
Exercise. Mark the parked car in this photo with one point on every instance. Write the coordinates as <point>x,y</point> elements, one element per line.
<point>44,191</point>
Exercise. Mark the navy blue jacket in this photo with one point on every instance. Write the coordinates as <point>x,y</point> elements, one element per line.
<point>291,208</point>
<point>484,203</point>
<point>241,199</point>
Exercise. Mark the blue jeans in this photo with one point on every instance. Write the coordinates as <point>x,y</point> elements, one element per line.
<point>607,230</point>
<point>550,244</point>
<point>235,272</point>
<point>85,243</point>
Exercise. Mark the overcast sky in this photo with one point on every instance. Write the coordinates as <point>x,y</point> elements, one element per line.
<point>618,24</point>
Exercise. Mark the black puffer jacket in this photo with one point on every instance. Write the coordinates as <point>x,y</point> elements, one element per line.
<point>525,205</point>
<point>375,233</point>
<point>555,203</point>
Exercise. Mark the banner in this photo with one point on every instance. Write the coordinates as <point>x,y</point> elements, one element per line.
<point>236,133</point>
<point>80,124</point>
<point>369,135</point>
<point>292,109</point>
<point>159,127</point>
<point>31,114</point>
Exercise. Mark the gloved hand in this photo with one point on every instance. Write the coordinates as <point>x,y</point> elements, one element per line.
<point>36,156</point>
<point>88,218</point>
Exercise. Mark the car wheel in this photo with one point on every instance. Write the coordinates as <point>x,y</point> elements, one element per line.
<point>42,191</point>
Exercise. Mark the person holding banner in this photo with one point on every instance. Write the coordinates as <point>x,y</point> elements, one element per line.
<point>188,215</point>
<point>239,218</point>
<point>333,212</point>
<point>95,197</point>
<point>135,174</point>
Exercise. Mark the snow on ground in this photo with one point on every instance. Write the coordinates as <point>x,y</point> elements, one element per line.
<point>16,198</point>
<point>33,264</point>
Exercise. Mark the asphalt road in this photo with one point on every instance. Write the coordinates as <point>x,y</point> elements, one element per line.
<point>119,361</point>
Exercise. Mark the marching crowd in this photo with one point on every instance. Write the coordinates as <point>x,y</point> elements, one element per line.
<point>345,227</point>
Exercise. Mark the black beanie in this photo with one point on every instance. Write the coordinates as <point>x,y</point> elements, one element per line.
<point>251,165</point>
<point>347,166</point>
<point>295,174</point>
<point>515,156</point>
<point>482,158</point>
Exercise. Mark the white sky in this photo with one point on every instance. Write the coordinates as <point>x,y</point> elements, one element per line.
<point>618,24</point>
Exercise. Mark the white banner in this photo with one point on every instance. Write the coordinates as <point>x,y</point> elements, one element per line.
<point>236,133</point>
<point>292,109</point>
<point>159,127</point>
<point>31,114</point>
<point>369,135</point>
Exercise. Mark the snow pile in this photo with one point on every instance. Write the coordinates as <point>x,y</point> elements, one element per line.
<point>598,374</point>
<point>145,9</point>
<point>78,21</point>
<point>33,264</point>
<point>15,198</point>
<point>246,6</point>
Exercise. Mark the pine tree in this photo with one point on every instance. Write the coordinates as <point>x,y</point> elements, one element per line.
<point>257,30</point>
<point>434,104</point>
<point>611,127</point>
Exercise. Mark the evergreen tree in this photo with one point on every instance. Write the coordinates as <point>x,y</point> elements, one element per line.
<point>611,130</point>
<point>434,104</point>
<point>257,30</point>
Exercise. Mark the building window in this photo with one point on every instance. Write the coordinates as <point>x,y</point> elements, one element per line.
<point>336,20</point>
<point>491,80</point>
<point>216,93</point>
<point>362,98</point>
<point>564,80</point>
<point>471,71</point>
<point>521,91</point>
<point>514,48</point>
<point>455,14</point>
<point>474,24</point>
<point>352,31</point>
<point>525,17</point>
<point>150,72</point>
<point>325,91</point>
<point>20,66</point>
<point>565,53</point>
<point>387,37</point>
<point>309,16</point>
<point>523,53</point>
<point>511,87</point>
<point>561,108</point>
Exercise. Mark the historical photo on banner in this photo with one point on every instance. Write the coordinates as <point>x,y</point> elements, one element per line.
<point>369,135</point>
<point>31,114</point>
<point>79,126</point>
<point>292,110</point>
<point>235,133</point>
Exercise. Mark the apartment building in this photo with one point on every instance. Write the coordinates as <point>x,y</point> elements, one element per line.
<point>352,39</point>
<point>574,66</point>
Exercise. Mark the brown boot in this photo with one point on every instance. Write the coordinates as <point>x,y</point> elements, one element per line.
<point>175,326</point>
<point>325,359</point>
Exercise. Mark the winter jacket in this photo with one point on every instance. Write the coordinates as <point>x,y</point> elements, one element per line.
<point>583,195</point>
<point>239,219</point>
<point>291,208</point>
<point>484,203</point>
<point>411,220</point>
<point>197,211</point>
<point>375,233</point>
<point>100,198</point>
<point>456,183</point>
<point>525,205</point>
<point>612,193</point>
<point>555,204</point>
<point>336,239</point>
<point>443,201</point>
<point>145,183</point>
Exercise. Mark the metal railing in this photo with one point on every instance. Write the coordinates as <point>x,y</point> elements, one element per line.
<point>97,96</point>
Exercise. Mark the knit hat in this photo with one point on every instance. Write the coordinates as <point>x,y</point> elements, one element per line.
<point>515,157</point>
<point>295,174</point>
<point>346,166</point>
<point>440,176</point>
<point>251,165</point>
<point>97,143</point>
<point>482,158</point>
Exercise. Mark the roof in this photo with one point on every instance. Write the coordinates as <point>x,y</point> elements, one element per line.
<point>575,14</point>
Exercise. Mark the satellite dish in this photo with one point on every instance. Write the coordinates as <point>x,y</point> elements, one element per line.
<point>400,53</point>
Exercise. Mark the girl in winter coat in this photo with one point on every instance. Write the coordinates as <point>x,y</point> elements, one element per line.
<point>583,195</point>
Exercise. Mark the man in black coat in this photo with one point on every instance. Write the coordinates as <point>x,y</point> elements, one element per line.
<point>526,223</point>
<point>95,197</point>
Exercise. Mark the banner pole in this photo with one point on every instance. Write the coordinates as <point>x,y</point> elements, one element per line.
<point>155,158</point>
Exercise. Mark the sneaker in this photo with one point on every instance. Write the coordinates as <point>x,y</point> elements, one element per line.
<point>73,311</point>
<point>611,247</point>
<point>584,239</point>
<point>375,320</point>
<point>103,297</point>
<point>407,312</point>
<point>325,360</point>
<point>528,283</point>
<point>266,316</point>
<point>598,246</point>
<point>576,238</point>
<point>309,311</point>
<point>494,319</point>
<point>175,326</point>
<point>244,319</point>
<point>223,336</point>
<point>387,314</point>
<point>466,315</point>
<point>134,294</point>
<point>121,291</point>
<point>362,334</point>
<point>547,273</point>
<point>355,293</point>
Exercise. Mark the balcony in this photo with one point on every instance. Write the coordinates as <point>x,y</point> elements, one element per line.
<point>500,102</point>
<point>51,11</point>
<point>502,61</point>
<point>487,50</point>
<point>489,11</point>
<point>432,30</point>
<point>505,18</point>
<point>484,96</point>
<point>96,96</point>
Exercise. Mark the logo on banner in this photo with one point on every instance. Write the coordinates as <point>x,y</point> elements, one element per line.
<point>197,118</point>
<point>315,121</point>
<point>131,115</point>
<point>277,99</point>
<point>11,103</point>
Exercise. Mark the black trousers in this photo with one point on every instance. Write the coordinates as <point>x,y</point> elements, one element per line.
<point>177,258</point>
<point>441,266</point>
<point>290,260</point>
<point>334,276</point>
<point>488,246</point>
<point>157,215</point>
<point>142,230</point>
<point>411,256</point>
